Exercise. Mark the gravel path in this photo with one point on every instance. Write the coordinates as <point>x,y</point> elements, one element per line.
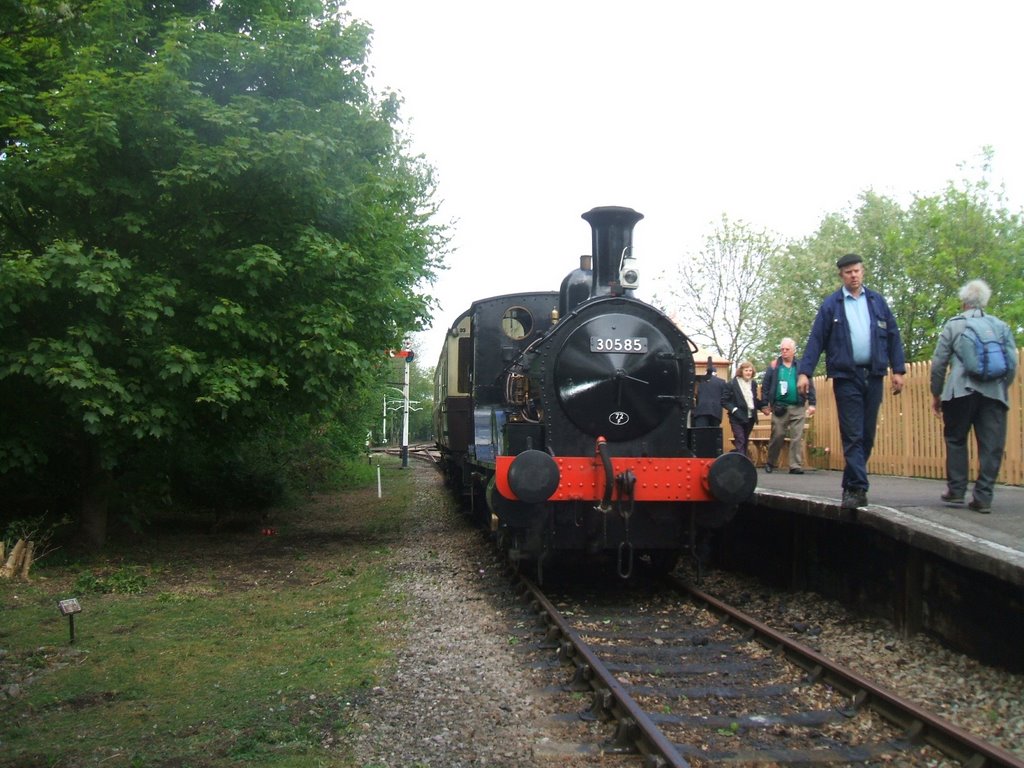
<point>458,696</point>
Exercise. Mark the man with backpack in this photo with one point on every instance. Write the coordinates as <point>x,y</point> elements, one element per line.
<point>981,355</point>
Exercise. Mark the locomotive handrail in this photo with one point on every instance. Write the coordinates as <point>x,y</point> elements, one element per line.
<point>609,473</point>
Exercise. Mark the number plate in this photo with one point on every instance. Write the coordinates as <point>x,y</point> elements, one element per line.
<point>632,344</point>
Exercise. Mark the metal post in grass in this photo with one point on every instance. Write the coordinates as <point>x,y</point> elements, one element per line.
<point>69,608</point>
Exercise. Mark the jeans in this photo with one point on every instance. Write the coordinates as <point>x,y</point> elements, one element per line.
<point>988,418</point>
<point>857,402</point>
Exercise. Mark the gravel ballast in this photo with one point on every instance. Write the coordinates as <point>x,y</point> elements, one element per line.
<point>460,693</point>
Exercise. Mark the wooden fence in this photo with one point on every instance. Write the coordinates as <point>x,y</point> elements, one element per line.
<point>909,441</point>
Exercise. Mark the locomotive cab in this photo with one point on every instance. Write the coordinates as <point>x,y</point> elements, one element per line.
<point>469,412</point>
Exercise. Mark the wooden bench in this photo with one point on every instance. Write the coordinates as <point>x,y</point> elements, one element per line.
<point>757,444</point>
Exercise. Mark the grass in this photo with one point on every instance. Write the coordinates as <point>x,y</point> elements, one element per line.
<point>205,651</point>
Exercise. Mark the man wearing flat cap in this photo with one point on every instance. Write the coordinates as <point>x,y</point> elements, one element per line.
<point>858,334</point>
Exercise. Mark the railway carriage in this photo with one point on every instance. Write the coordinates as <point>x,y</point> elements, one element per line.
<point>563,418</point>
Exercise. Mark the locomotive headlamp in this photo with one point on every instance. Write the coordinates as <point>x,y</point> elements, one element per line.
<point>629,274</point>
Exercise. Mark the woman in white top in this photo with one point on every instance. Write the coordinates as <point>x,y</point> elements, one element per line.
<point>742,404</point>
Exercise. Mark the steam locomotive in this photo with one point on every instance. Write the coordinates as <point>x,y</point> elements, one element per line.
<point>563,419</point>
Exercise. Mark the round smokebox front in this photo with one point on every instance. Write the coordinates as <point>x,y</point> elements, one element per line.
<point>610,373</point>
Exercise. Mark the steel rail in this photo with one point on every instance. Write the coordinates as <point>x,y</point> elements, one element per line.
<point>423,451</point>
<point>659,751</point>
<point>919,724</point>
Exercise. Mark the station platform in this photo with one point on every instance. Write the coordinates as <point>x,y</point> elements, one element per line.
<point>909,510</point>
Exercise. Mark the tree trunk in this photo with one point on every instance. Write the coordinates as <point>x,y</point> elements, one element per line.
<point>26,560</point>
<point>92,521</point>
<point>13,563</point>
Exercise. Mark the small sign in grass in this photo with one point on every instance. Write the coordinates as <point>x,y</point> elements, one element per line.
<point>239,649</point>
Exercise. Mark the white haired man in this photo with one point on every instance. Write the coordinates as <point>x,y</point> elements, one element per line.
<point>788,408</point>
<point>965,402</point>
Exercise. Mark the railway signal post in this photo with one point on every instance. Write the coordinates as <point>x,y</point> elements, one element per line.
<point>408,356</point>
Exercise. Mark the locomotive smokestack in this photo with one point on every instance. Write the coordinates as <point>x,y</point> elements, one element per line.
<point>612,238</point>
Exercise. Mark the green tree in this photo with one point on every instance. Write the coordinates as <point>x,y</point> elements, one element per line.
<point>421,391</point>
<point>207,218</point>
<point>388,427</point>
<point>718,292</point>
<point>917,256</point>
<point>968,231</point>
<point>801,274</point>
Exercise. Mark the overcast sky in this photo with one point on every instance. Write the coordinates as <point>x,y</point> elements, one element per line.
<point>772,113</point>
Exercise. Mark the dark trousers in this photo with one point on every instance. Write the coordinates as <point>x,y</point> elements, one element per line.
<point>707,421</point>
<point>741,434</point>
<point>988,418</point>
<point>857,402</point>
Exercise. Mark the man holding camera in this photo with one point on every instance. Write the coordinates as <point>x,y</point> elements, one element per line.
<point>789,408</point>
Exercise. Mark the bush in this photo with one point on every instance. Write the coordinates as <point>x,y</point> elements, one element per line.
<point>42,530</point>
<point>124,581</point>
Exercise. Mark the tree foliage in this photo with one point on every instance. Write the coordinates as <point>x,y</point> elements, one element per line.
<point>802,274</point>
<point>388,429</point>
<point>966,232</point>
<point>421,391</point>
<point>746,290</point>
<point>208,218</point>
<point>917,256</point>
<point>717,294</point>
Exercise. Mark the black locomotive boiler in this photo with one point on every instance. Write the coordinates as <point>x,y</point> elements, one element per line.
<point>563,418</point>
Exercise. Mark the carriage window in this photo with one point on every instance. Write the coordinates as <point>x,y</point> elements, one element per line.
<point>517,322</point>
<point>465,374</point>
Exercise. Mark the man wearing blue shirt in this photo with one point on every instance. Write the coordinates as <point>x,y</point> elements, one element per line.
<point>857,332</point>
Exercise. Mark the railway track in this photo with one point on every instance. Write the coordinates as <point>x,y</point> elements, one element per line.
<point>422,451</point>
<point>683,679</point>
